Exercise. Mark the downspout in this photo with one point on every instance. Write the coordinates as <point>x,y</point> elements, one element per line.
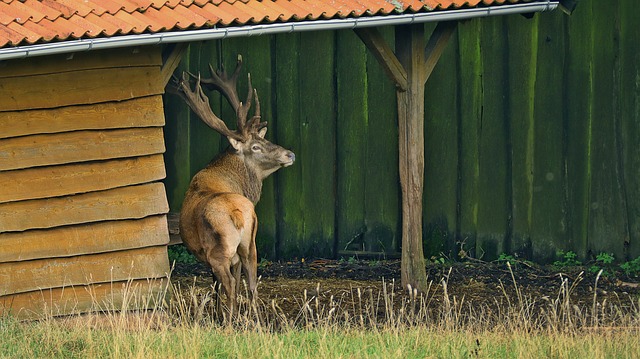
<point>269,29</point>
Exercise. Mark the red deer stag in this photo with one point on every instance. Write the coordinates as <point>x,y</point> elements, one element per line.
<point>218,223</point>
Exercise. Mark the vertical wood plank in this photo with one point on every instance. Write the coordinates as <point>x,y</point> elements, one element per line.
<point>522,64</point>
<point>290,225</point>
<point>470,97</point>
<point>441,150</point>
<point>493,202</point>
<point>608,217</point>
<point>382,207</point>
<point>579,93</point>
<point>630,111</point>
<point>549,223</point>
<point>351,137</point>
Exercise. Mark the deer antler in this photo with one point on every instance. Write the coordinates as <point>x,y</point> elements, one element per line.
<point>199,103</point>
<point>220,81</point>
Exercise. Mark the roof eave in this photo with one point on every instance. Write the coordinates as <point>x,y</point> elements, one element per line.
<point>217,33</point>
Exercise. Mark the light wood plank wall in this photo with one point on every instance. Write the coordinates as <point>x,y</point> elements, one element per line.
<point>82,210</point>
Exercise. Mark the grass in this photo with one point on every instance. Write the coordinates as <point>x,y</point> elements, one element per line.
<point>367,325</point>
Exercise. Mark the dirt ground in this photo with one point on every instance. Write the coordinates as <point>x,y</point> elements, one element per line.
<point>477,283</point>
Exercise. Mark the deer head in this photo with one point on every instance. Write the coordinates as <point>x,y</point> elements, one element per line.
<point>248,140</point>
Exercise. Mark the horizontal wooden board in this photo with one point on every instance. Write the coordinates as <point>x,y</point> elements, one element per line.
<point>79,146</point>
<point>84,239</point>
<point>138,112</point>
<point>45,303</point>
<point>20,277</point>
<point>46,182</point>
<point>122,57</point>
<point>79,87</point>
<point>120,203</point>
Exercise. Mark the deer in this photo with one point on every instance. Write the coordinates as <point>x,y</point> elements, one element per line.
<point>218,222</point>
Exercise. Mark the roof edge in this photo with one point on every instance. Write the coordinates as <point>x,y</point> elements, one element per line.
<point>217,33</point>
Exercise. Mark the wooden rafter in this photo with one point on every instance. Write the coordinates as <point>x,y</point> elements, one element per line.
<point>172,61</point>
<point>385,56</point>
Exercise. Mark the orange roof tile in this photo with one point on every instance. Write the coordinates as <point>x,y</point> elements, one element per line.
<point>28,22</point>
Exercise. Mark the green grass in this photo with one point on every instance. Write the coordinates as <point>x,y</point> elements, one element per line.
<point>54,339</point>
<point>418,327</point>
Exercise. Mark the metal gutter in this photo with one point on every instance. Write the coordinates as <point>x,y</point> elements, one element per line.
<point>269,29</point>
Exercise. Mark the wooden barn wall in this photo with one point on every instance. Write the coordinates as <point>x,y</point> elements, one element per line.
<point>531,128</point>
<point>82,205</point>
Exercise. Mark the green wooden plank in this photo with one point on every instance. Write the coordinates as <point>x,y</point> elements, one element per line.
<point>441,155</point>
<point>352,137</point>
<point>205,143</point>
<point>630,121</point>
<point>493,182</point>
<point>522,66</point>
<point>548,220</point>
<point>579,93</point>
<point>382,189</point>
<point>608,217</point>
<point>177,139</point>
<point>317,151</point>
<point>470,95</point>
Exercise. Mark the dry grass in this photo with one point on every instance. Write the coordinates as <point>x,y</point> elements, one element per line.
<point>366,325</point>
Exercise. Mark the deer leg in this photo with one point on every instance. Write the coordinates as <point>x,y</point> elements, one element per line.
<point>221,269</point>
<point>249,257</point>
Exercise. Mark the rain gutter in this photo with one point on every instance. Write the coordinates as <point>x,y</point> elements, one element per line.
<point>218,33</point>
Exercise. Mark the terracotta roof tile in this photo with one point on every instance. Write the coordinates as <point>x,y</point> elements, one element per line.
<point>24,22</point>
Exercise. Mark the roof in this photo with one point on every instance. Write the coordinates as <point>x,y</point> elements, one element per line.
<point>29,22</point>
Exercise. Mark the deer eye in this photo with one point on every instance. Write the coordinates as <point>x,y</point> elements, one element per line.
<point>256,148</point>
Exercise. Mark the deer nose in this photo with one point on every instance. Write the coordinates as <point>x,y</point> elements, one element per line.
<point>291,156</point>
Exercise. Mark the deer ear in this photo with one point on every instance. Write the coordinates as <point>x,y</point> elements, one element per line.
<point>235,143</point>
<point>262,132</point>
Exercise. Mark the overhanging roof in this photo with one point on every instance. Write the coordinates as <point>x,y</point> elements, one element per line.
<point>41,27</point>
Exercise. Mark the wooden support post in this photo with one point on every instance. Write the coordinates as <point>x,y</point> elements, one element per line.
<point>409,68</point>
<point>172,60</point>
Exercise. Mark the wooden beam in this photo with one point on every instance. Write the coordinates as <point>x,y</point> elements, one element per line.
<point>172,61</point>
<point>385,56</point>
<point>410,52</point>
<point>436,45</point>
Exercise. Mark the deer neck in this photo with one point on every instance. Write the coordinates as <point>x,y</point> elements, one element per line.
<point>245,180</point>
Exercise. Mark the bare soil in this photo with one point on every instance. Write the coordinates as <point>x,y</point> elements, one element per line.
<point>292,283</point>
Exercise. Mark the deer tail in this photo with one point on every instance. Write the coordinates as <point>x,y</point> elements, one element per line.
<point>237,218</point>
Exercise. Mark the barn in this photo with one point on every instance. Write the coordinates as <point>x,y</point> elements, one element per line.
<point>83,209</point>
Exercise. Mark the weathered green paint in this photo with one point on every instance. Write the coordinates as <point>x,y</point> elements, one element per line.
<point>351,140</point>
<point>382,207</point>
<point>629,97</point>
<point>469,95</point>
<point>531,131</point>
<point>493,181</point>
<point>441,148</point>
<point>522,67</point>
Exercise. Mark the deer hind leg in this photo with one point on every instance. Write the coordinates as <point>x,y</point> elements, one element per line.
<point>249,256</point>
<point>222,271</point>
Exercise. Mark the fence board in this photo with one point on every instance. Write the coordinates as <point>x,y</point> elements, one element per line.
<point>493,180</point>
<point>46,182</point>
<point>630,119</point>
<point>351,140</point>
<point>382,207</point>
<point>139,112</point>
<point>78,146</point>
<point>470,95</point>
<point>26,276</point>
<point>441,136</point>
<point>608,217</point>
<point>84,239</point>
<point>120,203</point>
<point>79,87</point>
<point>522,65</point>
